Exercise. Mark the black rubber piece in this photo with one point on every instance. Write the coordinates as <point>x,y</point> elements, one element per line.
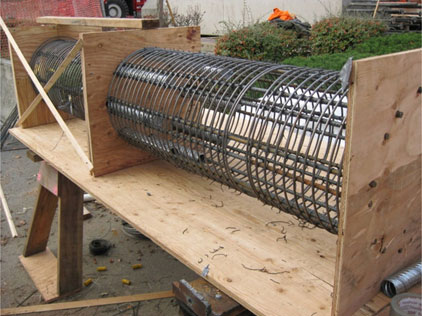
<point>99,246</point>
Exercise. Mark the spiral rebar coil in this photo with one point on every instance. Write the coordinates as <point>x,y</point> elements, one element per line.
<point>67,93</point>
<point>275,132</point>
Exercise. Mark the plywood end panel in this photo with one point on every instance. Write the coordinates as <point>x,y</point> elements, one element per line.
<point>29,39</point>
<point>380,216</point>
<point>101,55</point>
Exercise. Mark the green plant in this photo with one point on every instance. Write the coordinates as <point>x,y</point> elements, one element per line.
<point>372,47</point>
<point>262,41</point>
<point>337,34</point>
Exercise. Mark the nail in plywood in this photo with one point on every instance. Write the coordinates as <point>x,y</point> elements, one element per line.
<point>101,55</point>
<point>102,22</point>
<point>42,219</point>
<point>69,263</point>
<point>379,230</point>
<point>42,268</point>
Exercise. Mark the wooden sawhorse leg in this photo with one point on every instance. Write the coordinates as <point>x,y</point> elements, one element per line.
<point>55,277</point>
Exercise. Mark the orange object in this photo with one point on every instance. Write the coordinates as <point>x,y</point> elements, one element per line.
<point>282,15</point>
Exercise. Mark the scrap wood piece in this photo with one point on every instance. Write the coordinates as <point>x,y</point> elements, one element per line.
<point>62,67</point>
<point>33,156</point>
<point>376,9</point>
<point>86,303</point>
<point>7,213</point>
<point>44,95</point>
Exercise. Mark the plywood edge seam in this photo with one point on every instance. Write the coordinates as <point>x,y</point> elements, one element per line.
<point>343,203</point>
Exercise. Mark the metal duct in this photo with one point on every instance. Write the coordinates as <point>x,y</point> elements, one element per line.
<point>67,92</point>
<point>274,132</point>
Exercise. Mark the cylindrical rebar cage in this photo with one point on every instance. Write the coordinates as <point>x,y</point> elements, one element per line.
<point>275,132</point>
<point>67,93</point>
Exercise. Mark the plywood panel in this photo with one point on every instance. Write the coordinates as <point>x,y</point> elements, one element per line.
<point>203,224</point>
<point>101,55</point>
<point>380,217</point>
<point>42,268</point>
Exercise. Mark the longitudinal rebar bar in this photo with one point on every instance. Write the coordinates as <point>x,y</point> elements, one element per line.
<point>275,132</point>
<point>67,93</point>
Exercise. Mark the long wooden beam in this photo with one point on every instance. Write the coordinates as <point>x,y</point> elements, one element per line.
<point>86,303</point>
<point>44,95</point>
<point>103,22</point>
<point>72,54</point>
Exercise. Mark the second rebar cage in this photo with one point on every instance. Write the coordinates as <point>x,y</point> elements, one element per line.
<point>67,93</point>
<point>275,132</point>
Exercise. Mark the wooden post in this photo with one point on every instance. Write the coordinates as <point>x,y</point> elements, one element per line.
<point>69,261</point>
<point>42,219</point>
<point>160,10</point>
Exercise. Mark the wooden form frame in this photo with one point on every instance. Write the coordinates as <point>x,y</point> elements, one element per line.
<point>380,216</point>
<point>101,52</point>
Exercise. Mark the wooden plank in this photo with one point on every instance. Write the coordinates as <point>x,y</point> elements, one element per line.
<point>191,217</point>
<point>379,229</point>
<point>42,219</point>
<point>6,210</point>
<point>101,55</point>
<point>62,67</point>
<point>44,95</point>
<point>69,263</point>
<point>376,9</point>
<point>86,303</point>
<point>42,268</point>
<point>103,22</point>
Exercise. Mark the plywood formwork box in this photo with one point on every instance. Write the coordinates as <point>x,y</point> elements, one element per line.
<point>313,271</point>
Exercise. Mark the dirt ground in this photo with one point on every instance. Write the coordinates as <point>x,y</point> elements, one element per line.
<point>18,179</point>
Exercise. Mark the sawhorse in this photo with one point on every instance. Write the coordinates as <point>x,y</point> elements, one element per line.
<point>53,277</point>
